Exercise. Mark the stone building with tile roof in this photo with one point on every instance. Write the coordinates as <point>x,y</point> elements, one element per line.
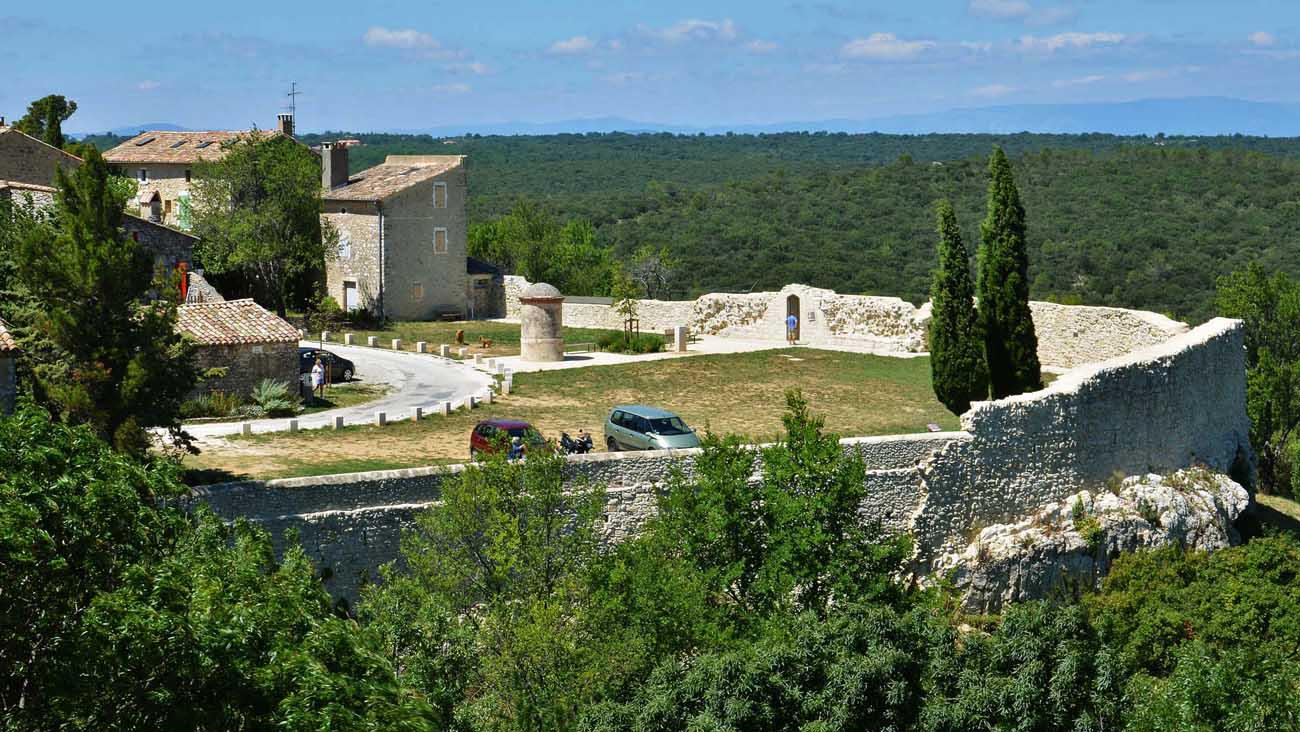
<point>162,163</point>
<point>237,344</point>
<point>8,373</point>
<point>27,160</point>
<point>402,234</point>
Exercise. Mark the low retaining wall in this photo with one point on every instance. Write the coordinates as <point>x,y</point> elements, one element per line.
<point>1068,335</point>
<point>1178,404</point>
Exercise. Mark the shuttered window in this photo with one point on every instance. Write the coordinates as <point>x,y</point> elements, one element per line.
<point>440,241</point>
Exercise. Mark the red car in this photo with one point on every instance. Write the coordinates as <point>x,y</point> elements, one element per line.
<point>492,434</point>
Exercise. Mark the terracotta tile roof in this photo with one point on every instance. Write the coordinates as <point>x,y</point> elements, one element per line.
<point>233,322</point>
<point>394,175</point>
<point>165,146</point>
<point>7,343</point>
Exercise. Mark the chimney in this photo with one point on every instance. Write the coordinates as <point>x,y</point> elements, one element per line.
<point>284,122</point>
<point>333,165</point>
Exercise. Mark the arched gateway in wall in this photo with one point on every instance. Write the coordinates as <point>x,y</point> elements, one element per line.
<point>792,308</point>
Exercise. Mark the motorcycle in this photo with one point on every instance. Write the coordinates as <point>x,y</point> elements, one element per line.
<point>580,446</point>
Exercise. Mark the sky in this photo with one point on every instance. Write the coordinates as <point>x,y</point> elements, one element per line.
<point>387,65</point>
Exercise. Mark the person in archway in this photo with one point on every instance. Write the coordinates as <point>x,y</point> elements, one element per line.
<point>791,328</point>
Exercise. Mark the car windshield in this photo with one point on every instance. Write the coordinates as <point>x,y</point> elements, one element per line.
<point>669,426</point>
<point>527,434</point>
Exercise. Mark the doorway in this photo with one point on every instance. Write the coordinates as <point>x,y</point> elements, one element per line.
<point>792,308</point>
<point>350,300</point>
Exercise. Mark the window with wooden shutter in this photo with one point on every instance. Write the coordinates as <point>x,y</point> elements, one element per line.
<point>439,240</point>
<point>440,195</point>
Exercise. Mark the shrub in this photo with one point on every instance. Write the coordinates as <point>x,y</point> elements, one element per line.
<point>199,406</point>
<point>617,341</point>
<point>273,398</point>
<point>212,404</point>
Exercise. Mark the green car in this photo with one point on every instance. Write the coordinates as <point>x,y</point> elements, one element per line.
<point>638,427</point>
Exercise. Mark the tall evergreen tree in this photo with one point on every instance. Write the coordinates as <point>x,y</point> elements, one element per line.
<point>1010,344</point>
<point>102,348</point>
<point>45,117</point>
<point>958,371</point>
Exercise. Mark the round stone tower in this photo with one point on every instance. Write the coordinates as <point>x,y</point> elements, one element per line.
<point>541,317</point>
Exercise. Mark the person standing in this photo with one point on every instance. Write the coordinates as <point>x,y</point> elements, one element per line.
<point>318,379</point>
<point>791,327</point>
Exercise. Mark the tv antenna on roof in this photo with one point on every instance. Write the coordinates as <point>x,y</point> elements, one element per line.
<point>293,99</point>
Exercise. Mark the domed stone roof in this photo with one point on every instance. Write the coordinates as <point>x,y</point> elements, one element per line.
<point>540,291</point>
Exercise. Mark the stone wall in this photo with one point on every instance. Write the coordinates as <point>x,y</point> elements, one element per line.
<point>168,180</point>
<point>1068,335</point>
<point>168,246</point>
<point>24,159</point>
<point>246,365</point>
<point>1168,407</point>
<point>357,262</point>
<point>420,283</point>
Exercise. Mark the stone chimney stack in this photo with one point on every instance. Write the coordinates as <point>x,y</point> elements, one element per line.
<point>333,165</point>
<point>284,123</point>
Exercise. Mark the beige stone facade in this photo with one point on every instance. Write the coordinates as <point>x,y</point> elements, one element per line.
<point>402,238</point>
<point>25,159</point>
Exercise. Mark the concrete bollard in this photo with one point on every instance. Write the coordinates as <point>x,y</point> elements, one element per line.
<point>381,418</point>
<point>463,351</point>
<point>397,344</point>
<point>246,429</point>
<point>372,341</point>
<point>324,335</point>
<point>491,365</point>
<point>338,422</point>
<point>478,358</point>
<point>471,402</point>
<point>349,338</point>
<point>444,408</point>
<point>680,337</point>
<point>418,414</point>
<point>487,396</point>
<point>505,387</point>
<point>500,369</point>
<point>293,425</point>
<point>444,350</point>
<point>421,347</point>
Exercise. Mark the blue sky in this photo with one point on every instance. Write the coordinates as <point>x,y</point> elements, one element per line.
<point>400,65</point>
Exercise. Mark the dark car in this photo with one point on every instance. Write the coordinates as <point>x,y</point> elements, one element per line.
<point>493,434</point>
<point>337,368</point>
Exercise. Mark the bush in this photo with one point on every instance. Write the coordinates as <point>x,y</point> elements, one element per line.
<point>273,398</point>
<point>617,341</point>
<point>212,404</point>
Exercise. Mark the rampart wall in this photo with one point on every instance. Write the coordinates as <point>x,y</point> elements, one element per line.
<point>1170,406</point>
<point>1068,335</point>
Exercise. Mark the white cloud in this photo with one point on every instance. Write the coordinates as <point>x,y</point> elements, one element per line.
<point>760,46</point>
<point>407,38</point>
<point>991,91</point>
<point>457,88</point>
<point>694,29</point>
<point>1080,81</point>
<point>574,45</point>
<point>1262,38</point>
<point>1000,8</point>
<point>885,47</point>
<point>148,85</point>
<point>1137,77</point>
<point>1051,44</point>
<point>977,46</point>
<point>478,68</point>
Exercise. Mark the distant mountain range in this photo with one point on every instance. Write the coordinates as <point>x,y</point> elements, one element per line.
<point>1187,116</point>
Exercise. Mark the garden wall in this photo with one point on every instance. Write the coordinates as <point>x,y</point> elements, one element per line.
<point>1158,410</point>
<point>1068,335</point>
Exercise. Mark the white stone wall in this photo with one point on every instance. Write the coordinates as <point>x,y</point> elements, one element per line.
<point>1068,335</point>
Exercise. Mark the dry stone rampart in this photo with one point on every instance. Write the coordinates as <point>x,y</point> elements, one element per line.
<point>1068,335</point>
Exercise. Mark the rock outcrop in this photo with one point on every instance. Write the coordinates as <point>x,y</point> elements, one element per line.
<point>1067,547</point>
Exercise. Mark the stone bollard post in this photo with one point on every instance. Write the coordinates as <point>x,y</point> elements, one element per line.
<point>324,335</point>
<point>444,408</point>
<point>463,351</point>
<point>680,337</point>
<point>349,338</point>
<point>397,344</point>
<point>418,414</point>
<point>471,402</point>
<point>500,369</point>
<point>421,347</point>
<point>293,425</point>
<point>444,350</point>
<point>381,418</point>
<point>478,358</point>
<point>246,429</point>
<point>338,422</point>
<point>371,341</point>
<point>505,387</point>
<point>491,365</point>
<point>487,396</point>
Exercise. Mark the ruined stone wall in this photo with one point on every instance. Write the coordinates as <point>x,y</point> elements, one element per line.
<point>1171,406</point>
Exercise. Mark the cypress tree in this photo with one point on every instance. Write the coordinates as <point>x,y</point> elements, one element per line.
<point>1010,344</point>
<point>958,372</point>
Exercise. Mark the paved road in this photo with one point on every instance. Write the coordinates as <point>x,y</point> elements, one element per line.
<point>416,380</point>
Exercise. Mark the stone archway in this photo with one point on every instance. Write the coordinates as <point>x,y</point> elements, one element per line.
<point>792,308</point>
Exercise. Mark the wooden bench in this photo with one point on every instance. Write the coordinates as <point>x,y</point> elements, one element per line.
<point>579,347</point>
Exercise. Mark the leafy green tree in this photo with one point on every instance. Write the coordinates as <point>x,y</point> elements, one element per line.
<point>45,117</point>
<point>101,346</point>
<point>1270,307</point>
<point>958,370</point>
<point>1010,344</point>
<point>256,212</point>
<point>529,241</point>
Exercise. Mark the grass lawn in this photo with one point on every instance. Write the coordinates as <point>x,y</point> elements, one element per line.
<point>504,336</point>
<point>1283,513</point>
<point>729,394</point>
<point>344,395</point>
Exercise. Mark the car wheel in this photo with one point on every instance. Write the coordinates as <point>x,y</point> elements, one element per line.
<point>347,374</point>
<point>611,445</point>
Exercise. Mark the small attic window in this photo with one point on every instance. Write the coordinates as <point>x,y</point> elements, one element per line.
<point>175,145</point>
<point>145,141</point>
<point>203,144</point>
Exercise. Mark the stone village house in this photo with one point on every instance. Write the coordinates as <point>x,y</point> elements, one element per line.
<point>239,343</point>
<point>402,234</point>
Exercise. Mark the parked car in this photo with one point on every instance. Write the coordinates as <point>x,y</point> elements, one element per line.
<point>638,427</point>
<point>491,434</point>
<point>337,368</point>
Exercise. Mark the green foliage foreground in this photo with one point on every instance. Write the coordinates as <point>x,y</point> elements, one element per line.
<point>755,601</point>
